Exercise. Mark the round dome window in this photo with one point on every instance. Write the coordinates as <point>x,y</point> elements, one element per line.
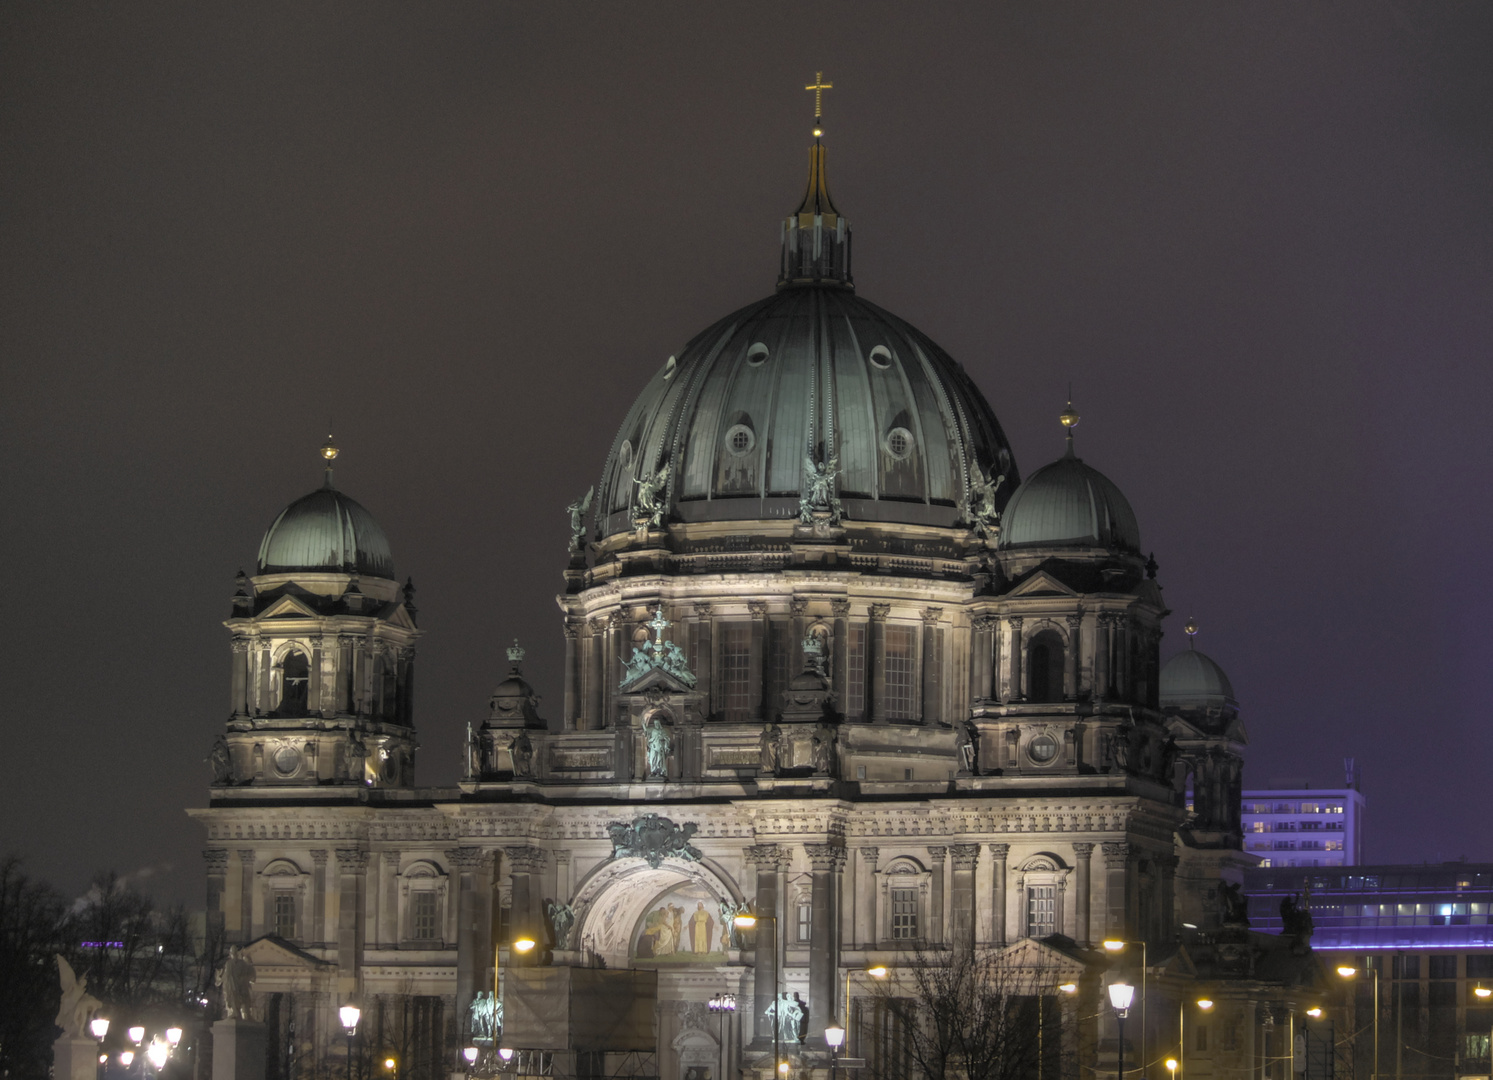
<point>881,356</point>
<point>1042,749</point>
<point>740,439</point>
<point>899,443</point>
<point>624,455</point>
<point>287,760</point>
<point>757,355</point>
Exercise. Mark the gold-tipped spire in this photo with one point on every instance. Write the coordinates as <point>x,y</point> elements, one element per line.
<point>1069,419</point>
<point>329,454</point>
<point>816,239</point>
<point>1191,630</point>
<point>819,86</point>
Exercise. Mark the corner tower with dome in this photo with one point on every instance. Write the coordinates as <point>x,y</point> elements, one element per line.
<point>829,662</point>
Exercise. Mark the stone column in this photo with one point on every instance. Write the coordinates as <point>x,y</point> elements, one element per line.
<point>263,703</point>
<point>1015,693</point>
<point>935,902</point>
<point>865,901</point>
<point>705,661</point>
<point>595,675</point>
<point>982,660</point>
<point>572,675</point>
<point>240,1050</point>
<point>998,853</point>
<point>765,953</point>
<point>877,629</point>
<point>1122,676</point>
<point>1075,655</point>
<point>826,862</point>
<point>313,680</point>
<point>389,930</point>
<point>616,629</point>
<point>473,924</point>
<point>756,664</point>
<point>962,895</point>
<point>239,704</point>
<point>319,896</point>
<point>246,895</point>
<point>799,608</point>
<point>352,870</point>
<point>1101,656</point>
<point>1116,891</point>
<point>1082,852</point>
<point>1167,884</point>
<point>525,864</point>
<point>932,676</point>
<point>840,665</point>
<point>562,877</point>
<point>217,884</point>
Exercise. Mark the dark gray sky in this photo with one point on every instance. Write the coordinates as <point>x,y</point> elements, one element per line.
<point>1255,237</point>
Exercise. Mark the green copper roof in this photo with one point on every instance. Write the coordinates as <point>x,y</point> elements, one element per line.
<point>1192,680</point>
<point>1069,503</point>
<point>326,531</point>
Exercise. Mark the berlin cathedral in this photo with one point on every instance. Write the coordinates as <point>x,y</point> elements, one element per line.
<point>833,668</point>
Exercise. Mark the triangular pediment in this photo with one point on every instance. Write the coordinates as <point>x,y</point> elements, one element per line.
<point>1042,584</point>
<point>288,607</point>
<point>273,952</point>
<point>656,679</point>
<point>400,617</point>
<point>1054,958</point>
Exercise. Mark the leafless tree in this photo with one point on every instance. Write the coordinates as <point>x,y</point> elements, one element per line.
<point>34,926</point>
<point>964,1014</point>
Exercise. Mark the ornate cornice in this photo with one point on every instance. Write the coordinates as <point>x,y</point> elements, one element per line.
<point>354,859</point>
<point>879,612</point>
<point>965,856</point>
<point>998,852</point>
<point>840,608</point>
<point>467,858</point>
<point>524,858</point>
<point>761,855</point>
<point>825,856</point>
<point>217,860</point>
<point>931,615</point>
<point>1083,849</point>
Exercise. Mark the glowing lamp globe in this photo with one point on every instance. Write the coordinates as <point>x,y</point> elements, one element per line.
<point>98,1027</point>
<point>1121,995</point>
<point>835,1036</point>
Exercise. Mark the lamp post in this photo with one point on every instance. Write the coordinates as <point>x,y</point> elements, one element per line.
<point>1120,996</point>
<point>1203,1003</point>
<point>835,1036</point>
<point>349,1014</point>
<point>1117,945</point>
<point>1348,972</point>
<point>1062,988</point>
<point>469,1055</point>
<point>723,1005</point>
<point>879,971</point>
<point>521,945</point>
<point>747,921</point>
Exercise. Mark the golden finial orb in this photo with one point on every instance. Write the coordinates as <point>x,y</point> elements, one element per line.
<point>329,449</point>
<point>1069,417</point>
<point>1191,629</point>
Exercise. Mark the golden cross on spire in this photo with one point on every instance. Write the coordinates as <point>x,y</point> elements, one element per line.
<point>819,86</point>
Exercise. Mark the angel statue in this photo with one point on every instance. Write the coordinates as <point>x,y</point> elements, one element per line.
<point>819,491</point>
<point>577,511</point>
<point>650,510</point>
<point>983,515</point>
<point>78,1005</point>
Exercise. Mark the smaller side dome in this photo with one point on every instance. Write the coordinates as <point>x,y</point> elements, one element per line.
<point>324,531</point>
<point>514,703</point>
<point>1191,680</point>
<point>1069,503</point>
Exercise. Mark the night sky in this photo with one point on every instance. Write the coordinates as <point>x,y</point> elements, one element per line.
<point>1256,238</point>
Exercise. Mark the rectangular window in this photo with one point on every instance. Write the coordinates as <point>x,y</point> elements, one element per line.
<point>1443,967</point>
<point>1041,908</point>
<point>805,922</point>
<point>855,685</point>
<point>1475,1047</point>
<point>423,915</point>
<point>1256,826</point>
<point>901,698</point>
<point>904,914</point>
<point>1200,1038</point>
<point>785,651</point>
<point>735,670</point>
<point>285,915</point>
<point>1311,808</point>
<point>1285,808</point>
<point>1479,965</point>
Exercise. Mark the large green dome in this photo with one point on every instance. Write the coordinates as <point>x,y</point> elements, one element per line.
<point>1069,504</point>
<point>326,531</point>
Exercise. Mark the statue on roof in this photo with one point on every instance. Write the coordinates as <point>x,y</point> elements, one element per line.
<point>980,510</point>
<point>819,491</point>
<point>650,508</point>
<point>577,511</point>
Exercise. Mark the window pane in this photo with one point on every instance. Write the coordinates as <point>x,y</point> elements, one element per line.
<point>904,913</point>
<point>285,915</point>
<point>899,673</point>
<point>1041,907</point>
<point>423,915</point>
<point>855,706</point>
<point>735,669</point>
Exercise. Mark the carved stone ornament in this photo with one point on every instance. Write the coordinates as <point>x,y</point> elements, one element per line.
<point>658,654</point>
<point>653,839</point>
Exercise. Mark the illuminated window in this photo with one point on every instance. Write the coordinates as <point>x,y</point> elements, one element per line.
<point>735,670</point>
<point>284,915</point>
<point>1311,808</point>
<point>900,697</point>
<point>904,914</point>
<point>296,673</point>
<point>1256,826</point>
<point>423,904</point>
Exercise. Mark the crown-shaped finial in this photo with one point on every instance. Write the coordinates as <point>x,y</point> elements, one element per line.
<point>515,654</point>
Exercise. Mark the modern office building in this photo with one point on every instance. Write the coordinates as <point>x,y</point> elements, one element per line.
<point>1421,937</point>
<point>1305,826</point>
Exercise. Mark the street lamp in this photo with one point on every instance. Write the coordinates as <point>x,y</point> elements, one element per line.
<point>173,1036</point>
<point>1347,972</point>
<point>1203,1003</point>
<point>469,1053</point>
<point>98,1027</point>
<point>126,1058</point>
<point>136,1034</point>
<point>506,1053</point>
<point>747,921</point>
<point>1121,994</point>
<point>350,1014</point>
<point>1115,945</point>
<point>835,1036</point>
<point>157,1053</point>
<point>1062,988</point>
<point>879,971</point>
<point>723,1005</point>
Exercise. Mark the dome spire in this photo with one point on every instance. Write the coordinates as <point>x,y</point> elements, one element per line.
<point>329,455</point>
<point>1069,419</point>
<point>1191,630</point>
<point>816,238</point>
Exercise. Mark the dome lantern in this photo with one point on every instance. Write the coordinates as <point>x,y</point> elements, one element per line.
<point>816,238</point>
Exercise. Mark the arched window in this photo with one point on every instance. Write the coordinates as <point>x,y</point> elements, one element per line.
<point>297,674</point>
<point>1045,667</point>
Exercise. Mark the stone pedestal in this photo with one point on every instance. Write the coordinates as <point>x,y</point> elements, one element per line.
<point>239,1050</point>
<point>75,1059</point>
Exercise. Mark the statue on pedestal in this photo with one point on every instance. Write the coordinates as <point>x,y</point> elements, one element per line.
<point>78,1005</point>
<point>236,977</point>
